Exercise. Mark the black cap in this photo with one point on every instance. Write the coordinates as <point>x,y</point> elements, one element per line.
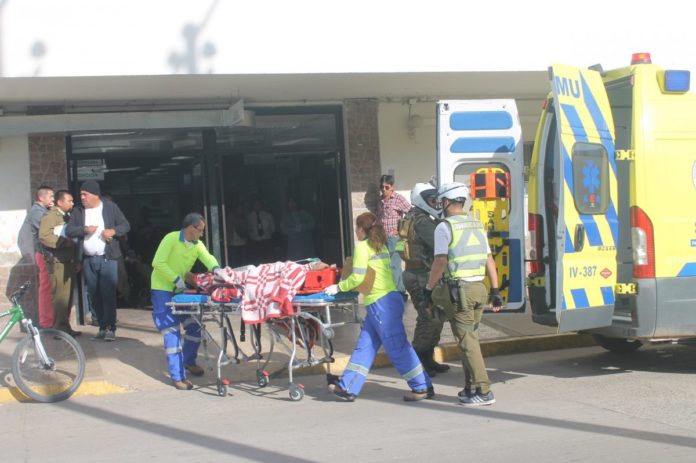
<point>91,186</point>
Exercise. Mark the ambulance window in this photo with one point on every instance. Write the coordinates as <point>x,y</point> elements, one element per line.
<point>590,178</point>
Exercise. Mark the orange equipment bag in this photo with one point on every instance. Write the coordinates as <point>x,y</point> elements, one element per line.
<point>490,183</point>
<point>318,280</point>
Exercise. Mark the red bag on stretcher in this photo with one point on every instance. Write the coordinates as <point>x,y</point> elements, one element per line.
<point>318,280</point>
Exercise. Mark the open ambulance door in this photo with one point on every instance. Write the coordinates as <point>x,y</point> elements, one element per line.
<point>479,144</point>
<point>586,232</point>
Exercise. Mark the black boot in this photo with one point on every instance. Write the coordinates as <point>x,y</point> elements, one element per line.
<point>426,359</point>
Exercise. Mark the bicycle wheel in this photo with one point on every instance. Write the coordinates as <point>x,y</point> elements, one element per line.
<point>54,381</point>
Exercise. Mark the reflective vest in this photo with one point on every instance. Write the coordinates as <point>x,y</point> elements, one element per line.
<point>468,250</point>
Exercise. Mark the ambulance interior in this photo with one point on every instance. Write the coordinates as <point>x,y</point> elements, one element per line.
<point>489,188</point>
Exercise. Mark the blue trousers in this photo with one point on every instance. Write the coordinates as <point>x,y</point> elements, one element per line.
<point>384,326</point>
<point>101,278</point>
<point>168,324</point>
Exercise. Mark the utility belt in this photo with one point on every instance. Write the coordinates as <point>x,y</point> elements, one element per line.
<point>446,296</point>
<point>455,285</point>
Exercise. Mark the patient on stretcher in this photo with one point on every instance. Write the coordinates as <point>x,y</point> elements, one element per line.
<point>268,290</point>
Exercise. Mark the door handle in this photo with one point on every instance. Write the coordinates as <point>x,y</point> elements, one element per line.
<point>579,241</point>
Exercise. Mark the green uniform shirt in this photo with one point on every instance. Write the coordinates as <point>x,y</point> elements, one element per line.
<point>363,257</point>
<point>175,257</point>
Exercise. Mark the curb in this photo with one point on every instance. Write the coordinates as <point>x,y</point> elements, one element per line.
<point>87,388</point>
<point>450,351</point>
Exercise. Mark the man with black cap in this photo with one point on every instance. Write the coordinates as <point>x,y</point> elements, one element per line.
<point>98,225</point>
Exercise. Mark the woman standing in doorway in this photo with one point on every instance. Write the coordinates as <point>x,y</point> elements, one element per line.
<point>384,321</point>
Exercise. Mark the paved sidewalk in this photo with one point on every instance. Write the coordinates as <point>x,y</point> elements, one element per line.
<point>136,361</point>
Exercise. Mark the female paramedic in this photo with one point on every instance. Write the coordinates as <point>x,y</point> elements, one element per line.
<point>383,323</point>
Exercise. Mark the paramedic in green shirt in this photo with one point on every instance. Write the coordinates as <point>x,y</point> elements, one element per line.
<point>171,267</point>
<point>384,321</point>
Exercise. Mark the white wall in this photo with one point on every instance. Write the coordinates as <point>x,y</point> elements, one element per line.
<point>127,37</point>
<point>15,192</point>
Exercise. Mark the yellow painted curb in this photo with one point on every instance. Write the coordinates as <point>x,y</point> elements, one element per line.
<point>87,388</point>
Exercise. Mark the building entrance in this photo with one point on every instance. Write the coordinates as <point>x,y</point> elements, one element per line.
<point>287,162</point>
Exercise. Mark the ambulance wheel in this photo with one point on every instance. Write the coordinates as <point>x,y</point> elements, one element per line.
<point>296,393</point>
<point>618,345</point>
<point>261,378</point>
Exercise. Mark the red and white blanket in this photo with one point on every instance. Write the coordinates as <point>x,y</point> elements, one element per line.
<point>268,289</point>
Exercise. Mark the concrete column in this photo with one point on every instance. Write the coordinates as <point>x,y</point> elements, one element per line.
<point>15,199</point>
<point>28,161</point>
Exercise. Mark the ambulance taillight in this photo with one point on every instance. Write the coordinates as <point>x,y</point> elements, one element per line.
<point>643,242</point>
<point>641,58</point>
<point>535,247</point>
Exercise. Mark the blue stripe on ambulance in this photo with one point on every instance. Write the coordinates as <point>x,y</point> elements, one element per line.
<point>607,294</point>
<point>580,298</point>
<point>484,145</point>
<point>608,142</point>
<point>569,247</point>
<point>593,235</point>
<point>480,120</point>
<point>689,270</point>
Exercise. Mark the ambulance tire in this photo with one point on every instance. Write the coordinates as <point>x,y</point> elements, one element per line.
<point>618,345</point>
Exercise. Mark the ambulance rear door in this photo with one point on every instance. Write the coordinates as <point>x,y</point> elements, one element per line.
<point>479,143</point>
<point>587,228</point>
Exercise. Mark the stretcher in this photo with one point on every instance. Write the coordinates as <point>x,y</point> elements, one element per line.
<point>203,309</point>
<point>312,324</point>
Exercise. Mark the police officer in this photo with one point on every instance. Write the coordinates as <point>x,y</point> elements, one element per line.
<point>417,252</point>
<point>463,256</point>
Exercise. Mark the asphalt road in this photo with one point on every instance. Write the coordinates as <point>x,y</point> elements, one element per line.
<point>558,406</point>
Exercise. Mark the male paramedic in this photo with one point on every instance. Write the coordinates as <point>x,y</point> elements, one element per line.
<point>171,267</point>
<point>463,256</point>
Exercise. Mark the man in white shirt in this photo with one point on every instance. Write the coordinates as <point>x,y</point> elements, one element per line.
<point>99,225</point>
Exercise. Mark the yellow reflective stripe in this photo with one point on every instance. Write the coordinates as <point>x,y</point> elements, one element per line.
<point>380,256</point>
<point>359,271</point>
<point>470,257</point>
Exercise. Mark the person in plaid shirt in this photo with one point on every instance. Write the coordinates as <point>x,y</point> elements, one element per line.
<point>392,206</point>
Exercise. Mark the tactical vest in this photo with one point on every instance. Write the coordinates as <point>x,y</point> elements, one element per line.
<point>467,252</point>
<point>415,253</point>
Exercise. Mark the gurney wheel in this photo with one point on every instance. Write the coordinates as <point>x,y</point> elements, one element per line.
<point>328,333</point>
<point>221,389</point>
<point>296,392</point>
<point>262,378</point>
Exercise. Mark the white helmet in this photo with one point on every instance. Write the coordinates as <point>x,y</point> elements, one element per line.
<point>454,191</point>
<point>419,198</point>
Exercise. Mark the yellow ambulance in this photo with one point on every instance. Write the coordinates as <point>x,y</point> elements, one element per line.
<point>612,205</point>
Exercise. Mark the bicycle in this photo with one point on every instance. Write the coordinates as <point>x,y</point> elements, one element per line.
<point>47,365</point>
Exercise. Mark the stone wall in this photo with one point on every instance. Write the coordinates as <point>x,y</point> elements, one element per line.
<point>362,135</point>
<point>48,161</point>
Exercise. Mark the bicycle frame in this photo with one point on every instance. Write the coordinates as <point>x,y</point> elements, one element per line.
<point>16,315</point>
